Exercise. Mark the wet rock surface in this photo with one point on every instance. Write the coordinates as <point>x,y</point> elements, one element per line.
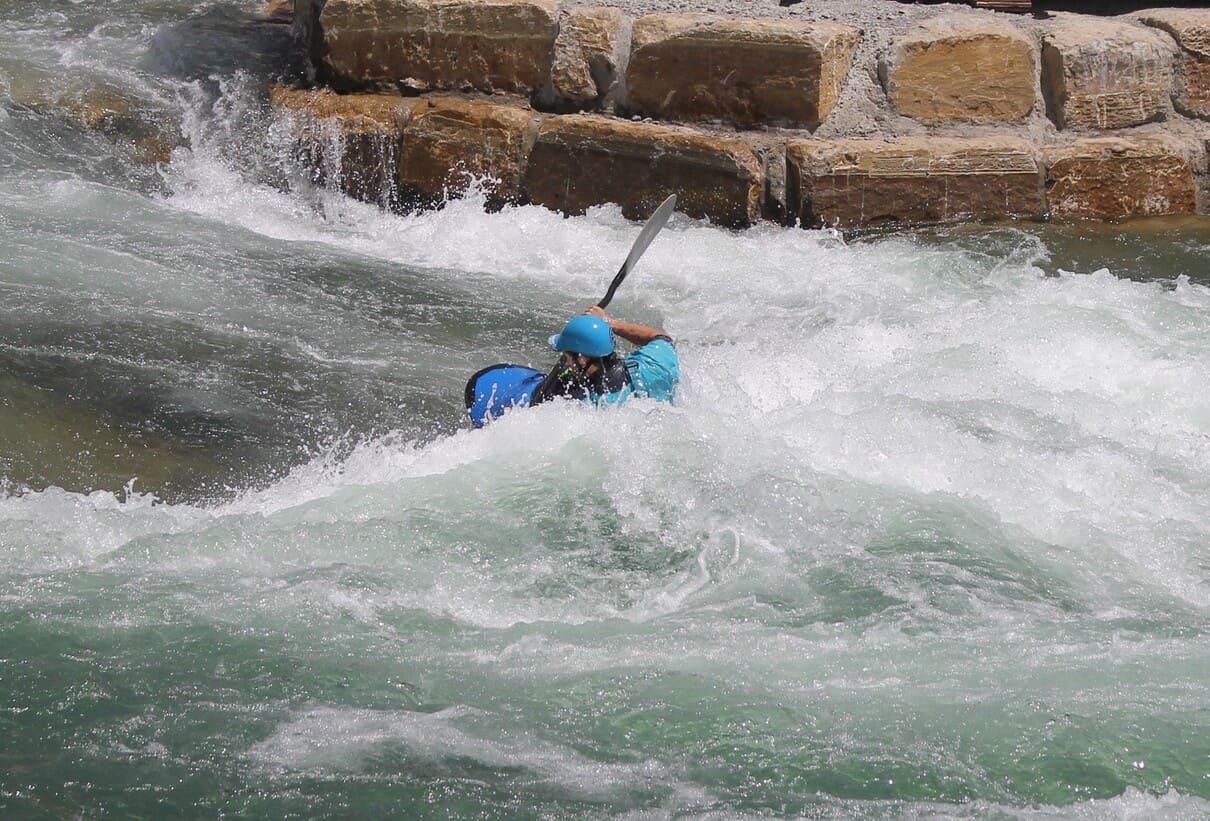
<point>878,82</point>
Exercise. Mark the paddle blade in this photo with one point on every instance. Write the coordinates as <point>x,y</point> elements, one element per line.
<point>653,226</point>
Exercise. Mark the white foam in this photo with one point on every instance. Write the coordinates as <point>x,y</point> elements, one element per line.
<point>900,477</point>
<point>54,529</point>
<point>831,392</point>
<point>328,741</point>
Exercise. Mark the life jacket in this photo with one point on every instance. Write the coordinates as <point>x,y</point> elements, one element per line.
<point>610,377</point>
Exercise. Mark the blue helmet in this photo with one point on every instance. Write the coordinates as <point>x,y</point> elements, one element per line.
<point>585,334</point>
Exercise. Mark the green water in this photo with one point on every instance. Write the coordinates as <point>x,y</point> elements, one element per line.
<point>926,535</point>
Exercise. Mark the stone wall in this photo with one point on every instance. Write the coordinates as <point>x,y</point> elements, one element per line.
<point>950,114</point>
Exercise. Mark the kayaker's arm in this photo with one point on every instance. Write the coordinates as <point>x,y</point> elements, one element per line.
<point>632,332</point>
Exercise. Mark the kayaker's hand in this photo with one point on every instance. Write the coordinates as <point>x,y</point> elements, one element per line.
<point>597,311</point>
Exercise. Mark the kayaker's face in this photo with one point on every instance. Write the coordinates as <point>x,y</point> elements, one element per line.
<point>579,362</point>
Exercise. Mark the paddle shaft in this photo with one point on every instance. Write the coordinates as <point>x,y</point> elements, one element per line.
<point>653,226</point>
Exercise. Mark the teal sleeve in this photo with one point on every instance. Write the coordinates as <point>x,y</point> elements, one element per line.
<point>655,370</point>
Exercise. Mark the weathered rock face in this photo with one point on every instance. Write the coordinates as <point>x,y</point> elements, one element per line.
<point>356,112</point>
<point>962,67</point>
<point>486,45</point>
<point>583,160</point>
<point>914,181</point>
<point>401,151</point>
<point>351,141</point>
<point>447,143</point>
<point>770,151</point>
<point>962,72</point>
<point>149,134</point>
<point>1113,178</point>
<point>97,107</point>
<point>306,24</point>
<point>1191,28</point>
<point>585,67</point>
<point>1105,73</point>
<point>702,67</point>
<point>278,11</point>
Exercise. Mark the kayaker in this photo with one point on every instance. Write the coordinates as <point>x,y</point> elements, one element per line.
<point>590,369</point>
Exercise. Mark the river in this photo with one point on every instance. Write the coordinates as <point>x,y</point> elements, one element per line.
<point>927,534</point>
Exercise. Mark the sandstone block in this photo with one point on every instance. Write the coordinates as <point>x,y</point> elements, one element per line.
<point>1113,178</point>
<point>917,181</point>
<point>448,143</point>
<point>148,132</point>
<point>583,160</point>
<point>350,141</point>
<point>1191,29</point>
<point>585,66</point>
<point>1100,73</point>
<point>485,45</point>
<point>962,67</point>
<point>355,112</point>
<point>747,71</point>
<point>770,151</point>
<point>93,107</point>
<point>278,11</point>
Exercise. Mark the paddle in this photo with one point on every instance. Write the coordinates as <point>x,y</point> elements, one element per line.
<point>654,223</point>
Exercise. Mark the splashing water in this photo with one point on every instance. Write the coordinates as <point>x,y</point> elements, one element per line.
<point>926,535</point>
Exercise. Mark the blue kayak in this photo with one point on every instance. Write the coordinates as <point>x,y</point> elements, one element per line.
<point>497,388</point>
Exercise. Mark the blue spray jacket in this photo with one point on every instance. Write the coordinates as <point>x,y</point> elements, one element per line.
<point>654,373</point>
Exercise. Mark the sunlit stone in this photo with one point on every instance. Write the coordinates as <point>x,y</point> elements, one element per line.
<point>449,143</point>
<point>706,67</point>
<point>1114,178</point>
<point>486,45</point>
<point>583,160</point>
<point>1191,29</point>
<point>912,181</point>
<point>962,67</point>
<point>1105,73</point>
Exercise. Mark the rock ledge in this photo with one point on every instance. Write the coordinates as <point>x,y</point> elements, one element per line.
<point>836,114</point>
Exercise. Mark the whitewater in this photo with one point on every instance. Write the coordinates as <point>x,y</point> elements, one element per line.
<point>926,535</point>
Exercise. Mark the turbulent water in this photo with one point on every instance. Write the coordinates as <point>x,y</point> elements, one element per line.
<point>926,536</point>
